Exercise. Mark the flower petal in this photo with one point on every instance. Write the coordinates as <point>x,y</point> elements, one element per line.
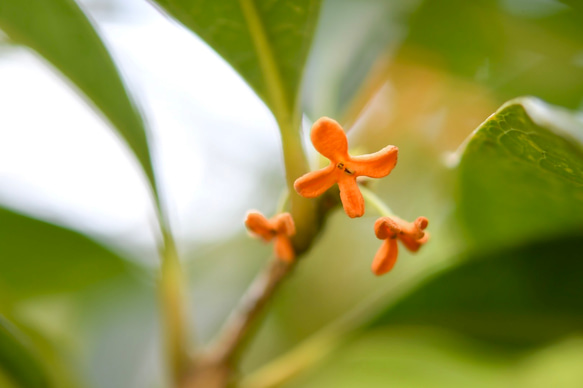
<point>351,197</point>
<point>386,227</point>
<point>376,165</point>
<point>316,182</point>
<point>414,242</point>
<point>330,140</point>
<point>412,229</point>
<point>259,225</point>
<point>284,224</point>
<point>421,222</point>
<point>386,257</point>
<point>283,248</point>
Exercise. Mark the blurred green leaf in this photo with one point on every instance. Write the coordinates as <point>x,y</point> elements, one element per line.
<point>416,357</point>
<point>266,41</point>
<point>60,32</point>
<point>522,296</point>
<point>38,258</point>
<point>437,26</point>
<point>514,47</point>
<point>521,175</point>
<point>18,360</point>
<point>350,37</point>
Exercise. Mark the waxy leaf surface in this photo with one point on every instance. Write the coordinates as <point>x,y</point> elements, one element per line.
<point>521,175</point>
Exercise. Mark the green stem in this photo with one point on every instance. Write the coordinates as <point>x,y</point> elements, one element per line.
<point>288,120</point>
<point>303,210</point>
<point>376,202</point>
<point>172,302</point>
<point>282,202</point>
<point>173,310</point>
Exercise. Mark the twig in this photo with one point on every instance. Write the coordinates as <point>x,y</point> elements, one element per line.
<point>240,323</point>
<point>214,367</point>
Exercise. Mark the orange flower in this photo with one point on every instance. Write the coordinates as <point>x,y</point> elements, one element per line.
<point>281,227</point>
<point>329,139</point>
<point>391,228</point>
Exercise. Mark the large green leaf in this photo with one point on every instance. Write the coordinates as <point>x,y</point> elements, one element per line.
<point>416,357</point>
<point>60,32</point>
<point>18,361</point>
<point>38,258</point>
<point>487,322</point>
<point>266,41</point>
<point>521,174</point>
<point>521,296</point>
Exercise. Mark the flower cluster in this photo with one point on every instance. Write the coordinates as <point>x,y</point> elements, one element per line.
<point>329,139</point>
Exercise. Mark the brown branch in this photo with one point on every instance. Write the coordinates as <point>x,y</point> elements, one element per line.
<point>239,324</point>
<point>213,368</point>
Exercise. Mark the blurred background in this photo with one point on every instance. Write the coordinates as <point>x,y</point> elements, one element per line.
<point>77,233</point>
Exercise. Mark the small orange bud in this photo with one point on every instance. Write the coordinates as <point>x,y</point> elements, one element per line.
<point>281,227</point>
<point>411,234</point>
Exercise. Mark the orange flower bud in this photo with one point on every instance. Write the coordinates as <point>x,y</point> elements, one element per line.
<point>281,228</point>
<point>389,229</point>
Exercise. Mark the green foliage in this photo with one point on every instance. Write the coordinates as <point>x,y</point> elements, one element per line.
<point>523,296</point>
<point>267,42</point>
<point>38,258</point>
<point>18,361</point>
<point>514,47</point>
<point>60,32</point>
<point>521,175</point>
<point>505,312</point>
<point>419,357</point>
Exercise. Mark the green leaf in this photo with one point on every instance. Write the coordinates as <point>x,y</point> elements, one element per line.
<point>18,361</point>
<point>416,357</point>
<point>522,296</point>
<point>487,322</point>
<point>512,47</point>
<point>521,175</point>
<point>60,32</point>
<point>38,258</point>
<point>341,59</point>
<point>266,41</point>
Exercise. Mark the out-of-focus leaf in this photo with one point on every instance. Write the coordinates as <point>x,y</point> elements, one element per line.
<point>18,361</point>
<point>266,41</point>
<point>415,357</point>
<point>121,340</point>
<point>521,174</point>
<point>60,32</point>
<point>436,25</point>
<point>38,258</point>
<point>514,47</point>
<point>350,37</point>
<point>522,296</point>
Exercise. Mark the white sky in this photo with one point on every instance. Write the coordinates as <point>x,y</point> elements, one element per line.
<point>59,160</point>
